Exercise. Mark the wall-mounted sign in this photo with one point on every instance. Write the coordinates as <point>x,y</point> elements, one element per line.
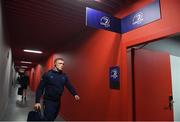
<point>101,20</point>
<point>114,77</point>
<point>141,17</point>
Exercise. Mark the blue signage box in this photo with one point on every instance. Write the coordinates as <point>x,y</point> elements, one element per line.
<point>114,77</point>
<point>101,20</point>
<point>141,17</point>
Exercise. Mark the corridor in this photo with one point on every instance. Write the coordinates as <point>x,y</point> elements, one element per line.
<point>17,109</point>
<point>90,60</point>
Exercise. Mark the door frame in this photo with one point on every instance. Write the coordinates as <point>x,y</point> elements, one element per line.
<point>132,49</point>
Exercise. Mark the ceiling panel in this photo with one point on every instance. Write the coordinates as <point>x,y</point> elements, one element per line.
<point>49,25</point>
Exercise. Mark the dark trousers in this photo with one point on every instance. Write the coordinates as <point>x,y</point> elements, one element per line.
<point>51,109</point>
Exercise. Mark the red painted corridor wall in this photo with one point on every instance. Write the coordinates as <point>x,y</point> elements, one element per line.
<point>37,72</point>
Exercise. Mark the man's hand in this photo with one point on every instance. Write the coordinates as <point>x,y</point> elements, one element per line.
<point>37,106</point>
<point>77,97</point>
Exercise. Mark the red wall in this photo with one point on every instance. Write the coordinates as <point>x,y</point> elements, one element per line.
<point>35,74</point>
<point>31,78</point>
<point>88,67</point>
<point>48,64</point>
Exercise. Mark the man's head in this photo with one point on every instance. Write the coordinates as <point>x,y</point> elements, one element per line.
<point>59,63</point>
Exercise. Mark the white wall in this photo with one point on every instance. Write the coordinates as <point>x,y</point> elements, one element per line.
<point>14,75</point>
<point>170,45</point>
<point>175,70</point>
<point>5,67</point>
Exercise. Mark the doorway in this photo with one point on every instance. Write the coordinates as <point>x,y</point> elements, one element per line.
<point>155,80</point>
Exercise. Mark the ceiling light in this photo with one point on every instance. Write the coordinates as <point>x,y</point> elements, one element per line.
<point>26,62</point>
<point>32,51</point>
<point>97,0</point>
<point>21,70</point>
<point>90,0</point>
<point>24,67</point>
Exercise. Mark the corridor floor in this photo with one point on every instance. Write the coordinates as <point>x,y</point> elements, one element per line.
<point>17,110</point>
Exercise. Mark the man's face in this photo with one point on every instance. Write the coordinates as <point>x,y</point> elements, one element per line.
<point>59,64</point>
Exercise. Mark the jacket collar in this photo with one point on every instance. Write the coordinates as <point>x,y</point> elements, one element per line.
<point>56,71</point>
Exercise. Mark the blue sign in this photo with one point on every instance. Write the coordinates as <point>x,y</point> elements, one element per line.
<point>141,17</point>
<point>114,78</point>
<point>98,19</point>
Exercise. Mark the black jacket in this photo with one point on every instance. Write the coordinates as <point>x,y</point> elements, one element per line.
<point>24,81</point>
<point>52,86</point>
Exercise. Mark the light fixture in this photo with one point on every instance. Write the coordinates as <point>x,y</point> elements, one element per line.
<point>90,0</point>
<point>97,0</point>
<point>32,51</point>
<point>21,70</point>
<point>26,62</point>
<point>23,66</point>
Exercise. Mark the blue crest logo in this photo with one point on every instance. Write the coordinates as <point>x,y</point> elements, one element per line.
<point>105,21</point>
<point>114,74</point>
<point>138,18</point>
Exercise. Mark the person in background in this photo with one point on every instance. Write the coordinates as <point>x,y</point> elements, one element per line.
<point>24,81</point>
<point>51,87</point>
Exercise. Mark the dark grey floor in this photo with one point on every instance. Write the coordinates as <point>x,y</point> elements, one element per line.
<point>17,109</point>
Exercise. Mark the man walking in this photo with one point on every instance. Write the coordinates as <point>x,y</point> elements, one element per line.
<point>24,82</point>
<point>51,87</point>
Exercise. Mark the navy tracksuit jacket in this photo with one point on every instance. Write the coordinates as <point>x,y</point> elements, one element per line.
<point>51,87</point>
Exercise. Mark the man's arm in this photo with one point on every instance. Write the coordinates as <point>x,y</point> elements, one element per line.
<point>39,92</point>
<point>40,88</point>
<point>71,89</point>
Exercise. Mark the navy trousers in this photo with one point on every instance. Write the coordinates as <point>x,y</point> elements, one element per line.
<point>51,109</point>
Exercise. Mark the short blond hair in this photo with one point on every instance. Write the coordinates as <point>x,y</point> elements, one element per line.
<point>58,59</point>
